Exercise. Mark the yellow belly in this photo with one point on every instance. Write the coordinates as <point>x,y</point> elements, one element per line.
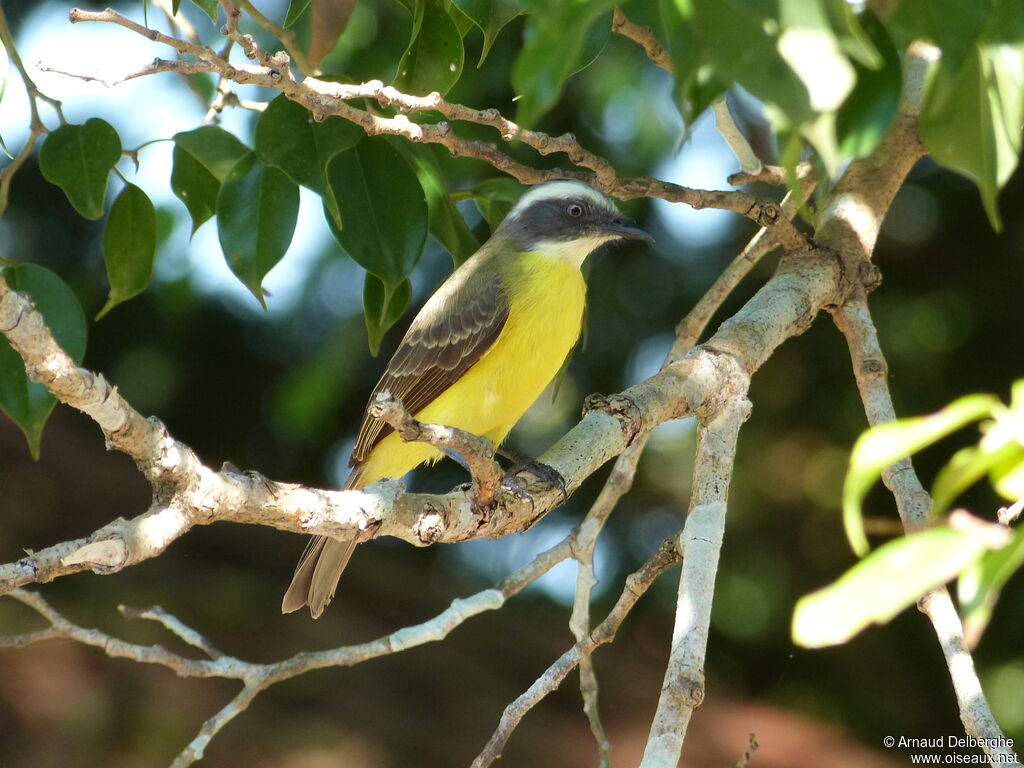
<point>547,297</point>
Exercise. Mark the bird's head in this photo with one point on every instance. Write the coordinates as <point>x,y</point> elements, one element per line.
<point>567,219</point>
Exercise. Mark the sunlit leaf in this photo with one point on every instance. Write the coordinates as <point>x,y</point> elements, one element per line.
<point>129,246</point>
<point>854,40</point>
<point>29,404</point>
<point>78,159</point>
<point>869,110</point>
<point>811,49</point>
<point>973,113</point>
<point>881,585</point>
<point>964,469</point>
<point>880,447</point>
<point>434,58</point>
<point>256,212</point>
<point>980,584</point>
<point>383,210</point>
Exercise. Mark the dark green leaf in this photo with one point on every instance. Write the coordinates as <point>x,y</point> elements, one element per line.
<point>881,585</point>
<point>742,51</point>
<point>594,42</point>
<point>446,223</point>
<point>871,106</point>
<point>556,33</point>
<point>495,198</point>
<point>78,159</point>
<point>882,446</point>
<point>433,61</point>
<point>284,139</point>
<point>209,7</point>
<point>383,310</point>
<point>383,209</point>
<point>287,137</point>
<point>29,404</point>
<point>295,9</point>
<point>256,212</point>
<point>952,25</point>
<point>216,149</point>
<point>129,246</point>
<point>490,16</point>
<point>980,585</point>
<point>194,185</point>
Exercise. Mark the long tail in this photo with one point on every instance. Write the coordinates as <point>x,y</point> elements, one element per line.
<point>316,575</point>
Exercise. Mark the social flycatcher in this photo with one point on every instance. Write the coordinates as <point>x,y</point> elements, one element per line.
<point>482,349</point>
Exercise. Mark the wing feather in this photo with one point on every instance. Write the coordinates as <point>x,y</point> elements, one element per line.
<point>451,333</point>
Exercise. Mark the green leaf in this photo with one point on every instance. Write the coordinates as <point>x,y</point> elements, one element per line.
<point>556,34</point>
<point>4,68</point>
<point>490,16</point>
<point>812,51</point>
<point>383,309</point>
<point>952,25</point>
<point>78,159</point>
<point>129,246</point>
<point>194,185</point>
<point>328,20</point>
<point>966,467</point>
<point>284,139</point>
<point>495,198</point>
<point>854,40</point>
<point>881,585</point>
<point>882,446</point>
<point>980,584</point>
<point>27,403</point>
<point>383,209</point>
<point>256,212</point>
<point>869,110</point>
<point>973,113</point>
<point>209,7</point>
<point>214,148</point>
<point>1007,473</point>
<point>434,58</point>
<point>287,137</point>
<point>295,9</point>
<point>446,223</point>
<point>741,44</point>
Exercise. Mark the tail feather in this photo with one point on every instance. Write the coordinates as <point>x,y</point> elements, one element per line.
<point>317,573</point>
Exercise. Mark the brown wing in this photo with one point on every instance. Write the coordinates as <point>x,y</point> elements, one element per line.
<point>451,333</point>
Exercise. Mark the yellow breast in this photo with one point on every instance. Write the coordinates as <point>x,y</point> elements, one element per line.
<point>546,301</point>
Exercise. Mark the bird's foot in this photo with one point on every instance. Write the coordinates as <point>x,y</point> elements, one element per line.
<point>544,472</point>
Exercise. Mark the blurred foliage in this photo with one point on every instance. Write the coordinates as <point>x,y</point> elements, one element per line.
<point>282,391</point>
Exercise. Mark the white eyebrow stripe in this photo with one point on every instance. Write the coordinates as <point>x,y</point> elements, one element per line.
<point>560,190</point>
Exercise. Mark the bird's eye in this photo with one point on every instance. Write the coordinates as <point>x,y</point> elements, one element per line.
<point>575,210</point>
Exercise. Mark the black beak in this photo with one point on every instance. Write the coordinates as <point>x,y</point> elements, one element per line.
<point>625,228</point>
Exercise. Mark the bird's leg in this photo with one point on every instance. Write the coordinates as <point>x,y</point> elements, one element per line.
<point>522,463</point>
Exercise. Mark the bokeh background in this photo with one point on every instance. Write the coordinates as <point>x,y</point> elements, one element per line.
<point>281,392</point>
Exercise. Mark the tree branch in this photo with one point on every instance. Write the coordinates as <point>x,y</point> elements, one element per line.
<point>700,543</point>
<point>324,98</point>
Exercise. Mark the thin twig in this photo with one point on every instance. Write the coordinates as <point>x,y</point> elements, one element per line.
<point>286,36</point>
<point>644,37</point>
<point>750,163</point>
<point>636,585</point>
<point>325,98</point>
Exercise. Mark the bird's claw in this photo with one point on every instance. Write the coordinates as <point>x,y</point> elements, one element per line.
<point>544,472</point>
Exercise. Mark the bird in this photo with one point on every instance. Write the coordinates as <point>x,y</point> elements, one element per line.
<point>482,349</point>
